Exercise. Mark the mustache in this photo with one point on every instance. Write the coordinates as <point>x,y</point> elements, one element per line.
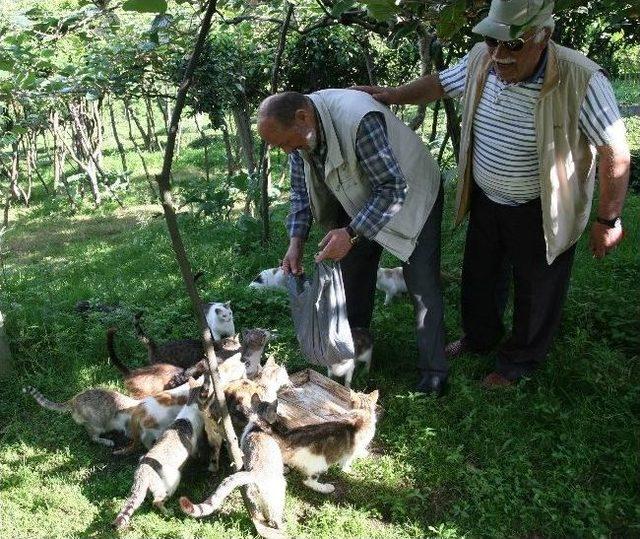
<point>502,60</point>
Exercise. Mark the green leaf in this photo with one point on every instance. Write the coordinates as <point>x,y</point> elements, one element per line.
<point>145,6</point>
<point>452,19</point>
<point>6,64</point>
<point>341,6</point>
<point>381,10</point>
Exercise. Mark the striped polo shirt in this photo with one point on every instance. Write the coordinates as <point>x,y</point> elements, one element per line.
<point>505,155</point>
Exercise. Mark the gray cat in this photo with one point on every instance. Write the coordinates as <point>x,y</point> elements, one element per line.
<point>264,471</point>
<point>159,470</point>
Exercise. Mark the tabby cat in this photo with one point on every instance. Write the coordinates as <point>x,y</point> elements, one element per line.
<point>159,470</point>
<point>263,472</point>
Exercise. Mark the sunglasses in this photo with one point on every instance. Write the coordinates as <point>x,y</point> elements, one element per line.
<point>514,45</point>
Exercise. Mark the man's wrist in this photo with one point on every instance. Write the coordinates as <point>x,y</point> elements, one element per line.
<point>354,237</point>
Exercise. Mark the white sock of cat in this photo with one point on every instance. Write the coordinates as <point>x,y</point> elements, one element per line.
<point>363,346</point>
<point>391,282</point>
<point>270,278</point>
<point>220,320</point>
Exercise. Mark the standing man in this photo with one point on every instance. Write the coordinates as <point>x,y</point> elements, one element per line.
<point>535,115</point>
<point>367,179</point>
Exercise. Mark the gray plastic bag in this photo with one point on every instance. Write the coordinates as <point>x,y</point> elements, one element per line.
<point>319,312</point>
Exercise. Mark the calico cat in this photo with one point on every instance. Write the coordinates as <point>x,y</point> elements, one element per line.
<point>159,470</point>
<point>238,396</point>
<point>252,348</point>
<point>270,278</point>
<point>144,381</point>
<point>219,319</point>
<point>311,449</point>
<point>363,346</point>
<point>391,282</point>
<point>98,410</point>
<point>263,471</point>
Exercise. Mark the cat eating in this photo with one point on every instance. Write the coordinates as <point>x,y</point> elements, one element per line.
<point>98,410</point>
<point>263,471</point>
<point>159,471</point>
<point>311,449</point>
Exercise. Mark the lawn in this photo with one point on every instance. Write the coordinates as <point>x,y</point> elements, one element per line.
<point>555,456</point>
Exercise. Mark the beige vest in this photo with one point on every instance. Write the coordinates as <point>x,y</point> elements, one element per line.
<point>341,112</point>
<point>566,159</point>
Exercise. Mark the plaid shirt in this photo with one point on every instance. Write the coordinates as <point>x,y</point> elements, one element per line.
<point>388,186</point>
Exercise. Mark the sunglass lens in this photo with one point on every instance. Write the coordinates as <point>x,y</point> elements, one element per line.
<point>515,45</point>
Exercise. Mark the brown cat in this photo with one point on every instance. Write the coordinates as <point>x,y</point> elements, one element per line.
<point>238,394</point>
<point>144,381</point>
<point>313,448</point>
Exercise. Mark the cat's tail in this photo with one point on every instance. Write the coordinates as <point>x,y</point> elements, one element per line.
<point>46,403</point>
<point>138,493</point>
<point>148,342</point>
<point>112,352</point>
<point>214,502</point>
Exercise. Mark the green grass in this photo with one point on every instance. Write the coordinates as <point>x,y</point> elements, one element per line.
<point>555,456</point>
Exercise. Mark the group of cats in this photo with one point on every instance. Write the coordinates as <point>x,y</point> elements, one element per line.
<point>390,281</point>
<point>170,413</point>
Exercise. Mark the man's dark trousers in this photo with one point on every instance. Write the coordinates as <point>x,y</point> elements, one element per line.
<point>422,275</point>
<point>497,231</point>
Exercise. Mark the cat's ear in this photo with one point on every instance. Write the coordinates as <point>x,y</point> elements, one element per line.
<point>228,305</point>
<point>271,413</point>
<point>373,396</point>
<point>271,361</point>
<point>255,401</point>
<point>192,382</point>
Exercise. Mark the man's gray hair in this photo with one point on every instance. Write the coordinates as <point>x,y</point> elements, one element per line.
<point>282,107</point>
<point>549,24</point>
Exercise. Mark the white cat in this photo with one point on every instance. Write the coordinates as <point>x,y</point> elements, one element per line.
<point>391,282</point>
<point>270,278</point>
<point>220,320</point>
<point>363,346</point>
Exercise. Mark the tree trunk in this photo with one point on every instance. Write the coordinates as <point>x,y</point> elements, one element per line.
<point>164,111</point>
<point>205,146</point>
<point>365,45</point>
<point>33,156</point>
<point>231,162</point>
<point>164,184</point>
<point>114,128</point>
<point>424,46</point>
<point>6,360</point>
<point>152,189</point>
<point>434,124</point>
<point>243,125</point>
<point>453,122</point>
<point>145,135</point>
<point>151,124</point>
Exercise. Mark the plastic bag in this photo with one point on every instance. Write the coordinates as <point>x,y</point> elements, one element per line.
<point>319,312</point>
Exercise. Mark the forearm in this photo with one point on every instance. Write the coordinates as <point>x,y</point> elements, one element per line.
<point>419,91</point>
<point>614,169</point>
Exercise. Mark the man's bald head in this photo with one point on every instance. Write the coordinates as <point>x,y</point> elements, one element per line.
<point>282,107</point>
<point>287,121</point>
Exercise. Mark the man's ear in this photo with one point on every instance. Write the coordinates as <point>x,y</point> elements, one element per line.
<point>302,116</point>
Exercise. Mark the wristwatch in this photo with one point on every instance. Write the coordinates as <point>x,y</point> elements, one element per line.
<point>611,223</point>
<point>354,237</point>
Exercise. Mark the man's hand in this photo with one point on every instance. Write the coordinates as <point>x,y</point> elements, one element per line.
<point>604,239</point>
<point>292,261</point>
<point>335,245</point>
<point>379,93</point>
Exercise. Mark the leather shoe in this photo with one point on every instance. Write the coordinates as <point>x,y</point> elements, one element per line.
<point>432,384</point>
<point>494,380</point>
<point>456,348</point>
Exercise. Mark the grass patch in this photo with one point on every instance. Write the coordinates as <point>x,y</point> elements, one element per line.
<point>556,456</point>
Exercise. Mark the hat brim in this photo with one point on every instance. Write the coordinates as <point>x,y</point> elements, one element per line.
<point>492,28</point>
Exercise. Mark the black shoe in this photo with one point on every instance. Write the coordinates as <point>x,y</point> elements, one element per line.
<point>432,384</point>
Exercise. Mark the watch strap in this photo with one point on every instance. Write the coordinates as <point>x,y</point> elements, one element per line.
<point>611,223</point>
